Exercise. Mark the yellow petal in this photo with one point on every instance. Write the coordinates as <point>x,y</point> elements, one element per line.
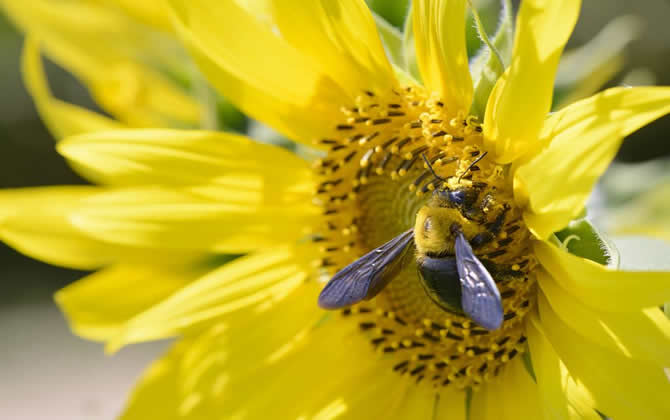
<point>108,52</point>
<point>415,402</point>
<point>563,396</point>
<point>341,37</point>
<point>511,396</point>
<point>621,387</point>
<point>583,139</point>
<point>642,334</point>
<point>258,71</point>
<point>519,393</point>
<point>185,157</point>
<point>43,231</point>
<point>268,362</point>
<point>191,379</point>
<point>99,305</point>
<point>37,222</point>
<point>61,118</point>
<point>258,281</point>
<point>450,406</point>
<point>149,12</point>
<point>600,287</point>
<point>439,33</point>
<point>246,217</point>
<point>522,98</point>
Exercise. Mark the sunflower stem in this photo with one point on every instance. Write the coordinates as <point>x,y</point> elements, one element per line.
<point>489,63</point>
<point>483,36</point>
<point>209,116</point>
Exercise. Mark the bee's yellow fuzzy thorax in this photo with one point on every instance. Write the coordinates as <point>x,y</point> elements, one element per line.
<point>375,184</point>
<point>439,239</point>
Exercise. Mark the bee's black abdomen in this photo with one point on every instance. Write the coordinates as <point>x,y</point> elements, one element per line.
<point>441,282</point>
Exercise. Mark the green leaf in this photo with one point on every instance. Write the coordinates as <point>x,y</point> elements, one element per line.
<point>229,117</point>
<point>393,12</point>
<point>490,62</point>
<point>581,238</point>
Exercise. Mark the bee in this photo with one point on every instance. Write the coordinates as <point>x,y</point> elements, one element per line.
<point>451,274</point>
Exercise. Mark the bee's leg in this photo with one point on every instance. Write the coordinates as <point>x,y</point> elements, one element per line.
<point>481,239</point>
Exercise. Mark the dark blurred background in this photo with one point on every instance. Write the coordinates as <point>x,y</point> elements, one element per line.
<point>47,373</point>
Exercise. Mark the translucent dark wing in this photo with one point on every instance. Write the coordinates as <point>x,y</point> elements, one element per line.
<point>480,297</point>
<point>366,276</point>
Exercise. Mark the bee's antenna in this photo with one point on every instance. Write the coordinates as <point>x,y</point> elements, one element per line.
<point>471,165</point>
<point>425,159</point>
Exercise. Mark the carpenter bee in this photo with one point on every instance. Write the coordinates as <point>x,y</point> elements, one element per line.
<point>450,273</point>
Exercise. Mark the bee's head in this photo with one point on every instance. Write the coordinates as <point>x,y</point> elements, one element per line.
<point>460,198</point>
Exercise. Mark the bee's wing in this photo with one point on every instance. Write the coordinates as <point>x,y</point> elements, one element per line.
<point>480,297</point>
<point>366,276</point>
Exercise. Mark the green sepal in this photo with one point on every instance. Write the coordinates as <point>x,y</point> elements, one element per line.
<point>490,62</point>
<point>468,403</point>
<point>392,39</point>
<point>409,49</point>
<point>581,238</point>
<point>393,42</point>
<point>528,364</point>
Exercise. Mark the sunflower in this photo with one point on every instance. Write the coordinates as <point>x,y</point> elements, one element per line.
<point>578,338</point>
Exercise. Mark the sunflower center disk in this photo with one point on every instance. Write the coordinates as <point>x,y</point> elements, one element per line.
<point>374,181</point>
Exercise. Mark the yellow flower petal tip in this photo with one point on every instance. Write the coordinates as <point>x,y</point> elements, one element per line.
<point>581,141</point>
<point>521,99</point>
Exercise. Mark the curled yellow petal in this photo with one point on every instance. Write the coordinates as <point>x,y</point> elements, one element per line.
<point>341,37</point>
<point>439,36</point>
<point>271,82</point>
<point>149,12</point>
<point>522,97</point>
<point>61,118</point>
<point>119,60</point>
<point>600,287</point>
<point>582,141</point>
